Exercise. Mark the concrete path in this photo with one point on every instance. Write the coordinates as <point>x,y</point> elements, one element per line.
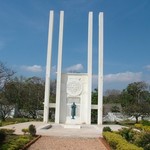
<point>59,130</point>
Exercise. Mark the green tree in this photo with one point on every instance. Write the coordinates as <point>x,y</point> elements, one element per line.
<point>115,109</point>
<point>5,76</point>
<point>136,99</point>
<point>95,96</point>
<point>34,96</point>
<point>112,96</point>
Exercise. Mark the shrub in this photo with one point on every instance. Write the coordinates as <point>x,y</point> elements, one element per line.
<point>128,134</point>
<point>141,127</point>
<point>32,130</point>
<point>145,123</point>
<point>105,129</point>
<point>2,136</point>
<point>25,130</point>
<point>138,126</point>
<point>8,131</point>
<point>117,142</point>
<point>21,142</point>
<point>143,140</point>
<point>1,123</point>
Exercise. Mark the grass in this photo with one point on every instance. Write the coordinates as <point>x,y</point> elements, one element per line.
<point>10,121</point>
<point>15,142</point>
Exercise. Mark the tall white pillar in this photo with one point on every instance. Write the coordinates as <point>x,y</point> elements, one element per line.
<point>100,70</point>
<point>59,66</point>
<point>89,69</point>
<point>48,68</point>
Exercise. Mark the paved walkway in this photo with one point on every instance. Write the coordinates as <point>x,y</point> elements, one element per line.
<point>67,143</point>
<point>59,130</point>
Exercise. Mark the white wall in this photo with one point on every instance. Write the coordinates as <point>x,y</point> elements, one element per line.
<point>74,88</point>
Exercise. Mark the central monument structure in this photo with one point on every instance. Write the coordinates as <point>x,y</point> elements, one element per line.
<point>73,90</point>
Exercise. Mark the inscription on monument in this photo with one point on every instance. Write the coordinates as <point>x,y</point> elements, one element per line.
<point>74,88</point>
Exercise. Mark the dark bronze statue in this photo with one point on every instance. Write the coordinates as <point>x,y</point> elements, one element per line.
<point>73,110</point>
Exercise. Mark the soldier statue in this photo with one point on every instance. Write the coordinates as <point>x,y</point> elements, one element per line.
<point>73,110</point>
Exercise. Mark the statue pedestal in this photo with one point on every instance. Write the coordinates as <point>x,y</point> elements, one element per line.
<point>74,121</point>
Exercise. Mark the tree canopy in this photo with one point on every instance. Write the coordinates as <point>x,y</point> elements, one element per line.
<point>135,99</point>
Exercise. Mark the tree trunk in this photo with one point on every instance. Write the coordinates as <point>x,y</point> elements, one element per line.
<point>136,117</point>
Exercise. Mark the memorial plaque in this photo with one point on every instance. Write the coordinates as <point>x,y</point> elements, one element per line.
<point>74,88</point>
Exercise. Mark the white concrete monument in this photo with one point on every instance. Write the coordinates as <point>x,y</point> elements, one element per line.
<point>73,90</point>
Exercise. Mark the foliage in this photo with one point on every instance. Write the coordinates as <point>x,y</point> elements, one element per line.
<point>117,142</point>
<point>32,130</point>
<point>5,74</point>
<point>124,135</point>
<point>95,96</point>
<point>4,133</point>
<point>128,134</point>
<point>112,96</point>
<point>2,136</point>
<point>94,116</point>
<point>25,130</point>
<point>52,91</point>
<point>115,109</point>
<point>143,140</point>
<point>9,121</point>
<point>145,123</point>
<point>105,129</point>
<point>8,131</point>
<point>142,127</point>
<point>136,100</point>
<point>0,123</point>
<point>5,109</point>
<point>20,90</point>
<point>15,142</point>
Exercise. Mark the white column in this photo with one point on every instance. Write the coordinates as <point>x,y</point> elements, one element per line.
<point>100,70</point>
<point>48,68</point>
<point>59,66</point>
<point>90,38</point>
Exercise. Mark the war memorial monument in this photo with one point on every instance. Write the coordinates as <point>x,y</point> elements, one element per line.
<point>73,90</point>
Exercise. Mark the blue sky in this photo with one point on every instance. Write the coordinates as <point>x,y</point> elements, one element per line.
<point>24,32</point>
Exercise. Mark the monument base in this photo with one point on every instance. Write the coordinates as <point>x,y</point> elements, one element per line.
<point>74,121</point>
<point>72,126</point>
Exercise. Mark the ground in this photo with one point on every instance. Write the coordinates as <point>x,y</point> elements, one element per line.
<point>67,143</point>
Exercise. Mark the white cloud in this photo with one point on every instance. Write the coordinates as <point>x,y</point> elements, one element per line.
<point>75,68</point>
<point>123,77</point>
<point>119,80</point>
<point>147,67</point>
<point>34,68</point>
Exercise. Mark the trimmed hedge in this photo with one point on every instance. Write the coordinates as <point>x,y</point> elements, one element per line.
<point>117,142</point>
<point>107,129</point>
